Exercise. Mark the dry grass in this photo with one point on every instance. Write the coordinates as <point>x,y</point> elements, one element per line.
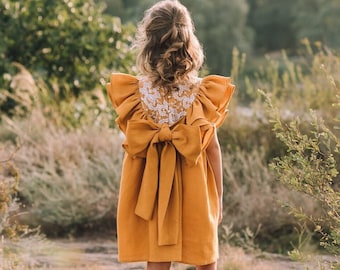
<point>254,200</point>
<point>237,259</point>
<point>68,177</point>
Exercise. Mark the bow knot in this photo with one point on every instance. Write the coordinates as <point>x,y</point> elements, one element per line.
<point>162,180</point>
<point>165,133</point>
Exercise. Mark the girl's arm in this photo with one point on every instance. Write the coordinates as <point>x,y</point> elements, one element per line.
<point>215,158</point>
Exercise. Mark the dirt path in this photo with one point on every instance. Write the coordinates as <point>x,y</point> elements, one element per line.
<point>102,255</point>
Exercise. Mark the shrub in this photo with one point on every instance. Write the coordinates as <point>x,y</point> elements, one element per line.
<point>14,249</point>
<point>310,165</point>
<point>9,180</point>
<point>253,202</point>
<point>69,157</point>
<point>32,94</point>
<point>294,85</point>
<point>71,44</point>
<point>70,179</point>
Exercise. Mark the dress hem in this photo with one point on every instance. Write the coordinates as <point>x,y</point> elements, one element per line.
<point>132,260</point>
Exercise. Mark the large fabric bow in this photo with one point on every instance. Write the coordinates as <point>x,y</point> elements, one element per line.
<point>159,144</point>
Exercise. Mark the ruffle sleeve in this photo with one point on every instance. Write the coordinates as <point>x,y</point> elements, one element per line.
<point>123,93</point>
<point>209,109</point>
<point>212,101</point>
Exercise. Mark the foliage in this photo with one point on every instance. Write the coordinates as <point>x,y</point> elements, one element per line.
<point>29,94</point>
<point>128,10</point>
<point>294,85</point>
<point>69,178</point>
<point>272,23</point>
<point>71,44</point>
<point>248,192</point>
<point>310,166</point>
<point>24,91</point>
<point>61,164</point>
<point>69,156</point>
<point>318,21</point>
<point>279,24</point>
<point>14,248</point>
<point>9,179</point>
<point>299,83</point>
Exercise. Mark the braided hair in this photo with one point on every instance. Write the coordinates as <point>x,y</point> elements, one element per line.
<point>169,51</point>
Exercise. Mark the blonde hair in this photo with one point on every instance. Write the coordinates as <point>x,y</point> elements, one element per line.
<point>169,51</point>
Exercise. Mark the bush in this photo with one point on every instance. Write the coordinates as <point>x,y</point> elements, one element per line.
<point>70,179</point>
<point>310,165</point>
<point>14,249</point>
<point>71,44</point>
<point>9,179</point>
<point>69,157</point>
<point>29,94</point>
<point>253,201</point>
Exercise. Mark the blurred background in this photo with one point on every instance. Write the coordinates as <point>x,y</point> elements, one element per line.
<point>60,149</point>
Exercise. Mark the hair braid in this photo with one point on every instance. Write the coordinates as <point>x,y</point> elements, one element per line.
<point>169,50</point>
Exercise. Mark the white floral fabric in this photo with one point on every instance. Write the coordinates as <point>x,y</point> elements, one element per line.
<point>167,107</point>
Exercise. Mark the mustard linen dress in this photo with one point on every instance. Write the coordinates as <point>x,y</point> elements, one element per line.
<point>168,202</point>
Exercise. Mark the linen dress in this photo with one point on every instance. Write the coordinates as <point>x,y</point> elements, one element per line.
<point>168,204</point>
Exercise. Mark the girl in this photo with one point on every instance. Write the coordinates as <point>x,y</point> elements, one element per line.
<point>170,201</point>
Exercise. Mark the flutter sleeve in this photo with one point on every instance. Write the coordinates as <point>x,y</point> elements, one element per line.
<point>214,95</point>
<point>123,93</point>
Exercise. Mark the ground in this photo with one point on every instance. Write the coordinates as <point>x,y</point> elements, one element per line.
<point>101,254</point>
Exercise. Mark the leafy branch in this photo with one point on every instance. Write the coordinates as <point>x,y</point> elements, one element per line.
<point>309,166</point>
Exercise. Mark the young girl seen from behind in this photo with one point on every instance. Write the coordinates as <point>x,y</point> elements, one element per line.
<point>170,201</point>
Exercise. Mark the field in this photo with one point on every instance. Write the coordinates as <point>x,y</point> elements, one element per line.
<point>60,167</point>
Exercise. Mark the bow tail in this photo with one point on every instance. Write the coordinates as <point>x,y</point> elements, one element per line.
<point>169,198</point>
<point>148,190</point>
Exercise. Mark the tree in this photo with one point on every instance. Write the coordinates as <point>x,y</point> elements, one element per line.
<point>70,43</point>
<point>318,20</point>
<point>128,10</point>
<point>281,24</point>
<point>273,23</point>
